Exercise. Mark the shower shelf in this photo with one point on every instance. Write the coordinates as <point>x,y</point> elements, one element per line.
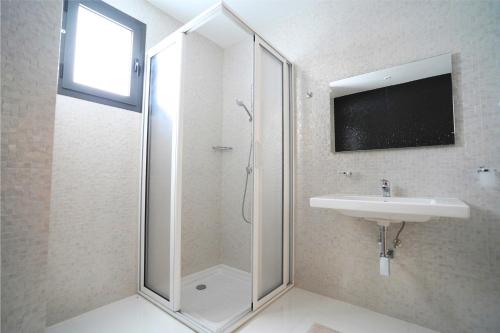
<point>221,148</point>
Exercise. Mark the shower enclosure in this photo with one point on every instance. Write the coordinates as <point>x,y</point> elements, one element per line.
<point>216,229</point>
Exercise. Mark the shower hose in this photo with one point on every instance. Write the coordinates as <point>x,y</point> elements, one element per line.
<point>248,172</point>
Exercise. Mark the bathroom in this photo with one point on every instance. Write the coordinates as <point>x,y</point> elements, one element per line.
<point>243,198</point>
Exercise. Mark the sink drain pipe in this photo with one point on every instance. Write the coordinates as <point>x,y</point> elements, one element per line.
<point>386,254</point>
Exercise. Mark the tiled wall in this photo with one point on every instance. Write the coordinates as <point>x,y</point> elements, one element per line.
<point>446,276</point>
<point>95,193</point>
<point>30,48</point>
<point>94,209</point>
<point>213,231</point>
<point>201,176</point>
<point>237,133</point>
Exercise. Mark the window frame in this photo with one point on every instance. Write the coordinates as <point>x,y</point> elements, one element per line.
<point>66,85</point>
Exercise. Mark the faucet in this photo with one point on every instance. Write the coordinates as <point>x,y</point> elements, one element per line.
<point>386,188</point>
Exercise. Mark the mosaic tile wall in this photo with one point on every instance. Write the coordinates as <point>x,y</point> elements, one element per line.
<point>201,176</point>
<point>237,133</point>
<point>446,276</point>
<point>95,193</point>
<point>29,62</point>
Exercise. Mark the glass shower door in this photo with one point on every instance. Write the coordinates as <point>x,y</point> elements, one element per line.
<point>160,207</point>
<point>217,99</point>
<point>272,168</point>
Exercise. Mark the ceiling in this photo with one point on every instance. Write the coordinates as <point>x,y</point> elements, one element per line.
<point>258,14</point>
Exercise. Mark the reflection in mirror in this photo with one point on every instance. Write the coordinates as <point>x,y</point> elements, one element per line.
<point>404,106</point>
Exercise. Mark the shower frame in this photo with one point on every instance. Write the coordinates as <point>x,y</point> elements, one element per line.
<point>173,305</point>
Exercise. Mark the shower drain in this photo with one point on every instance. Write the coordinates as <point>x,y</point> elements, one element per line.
<point>201,286</point>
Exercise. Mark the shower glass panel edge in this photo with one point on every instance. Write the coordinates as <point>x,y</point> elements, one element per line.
<point>262,291</point>
<point>167,116</point>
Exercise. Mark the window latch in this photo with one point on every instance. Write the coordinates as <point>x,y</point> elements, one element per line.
<point>137,67</point>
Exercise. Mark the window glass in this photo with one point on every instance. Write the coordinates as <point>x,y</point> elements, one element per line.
<point>103,53</point>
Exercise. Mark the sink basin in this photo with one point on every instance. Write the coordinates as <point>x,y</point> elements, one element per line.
<point>385,210</point>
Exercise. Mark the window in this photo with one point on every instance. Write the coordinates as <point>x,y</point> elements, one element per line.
<point>102,55</point>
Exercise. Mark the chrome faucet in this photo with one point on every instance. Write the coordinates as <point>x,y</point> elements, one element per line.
<point>386,188</point>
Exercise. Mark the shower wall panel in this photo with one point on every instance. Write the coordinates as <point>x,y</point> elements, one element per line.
<point>201,171</point>
<point>237,133</point>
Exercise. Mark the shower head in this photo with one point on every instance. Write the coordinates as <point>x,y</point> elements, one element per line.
<point>239,102</point>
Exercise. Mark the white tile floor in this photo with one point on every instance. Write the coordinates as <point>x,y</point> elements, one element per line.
<point>298,310</point>
<point>130,315</point>
<point>295,312</point>
<point>227,297</point>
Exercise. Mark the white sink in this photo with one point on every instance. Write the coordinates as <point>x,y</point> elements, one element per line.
<point>385,210</point>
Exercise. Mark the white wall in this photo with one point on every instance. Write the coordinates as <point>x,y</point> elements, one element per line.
<point>446,274</point>
<point>94,205</point>
<point>30,47</point>
<point>213,231</point>
<point>201,170</point>
<point>236,133</point>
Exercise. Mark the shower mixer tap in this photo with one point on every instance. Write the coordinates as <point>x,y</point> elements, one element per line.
<point>386,188</point>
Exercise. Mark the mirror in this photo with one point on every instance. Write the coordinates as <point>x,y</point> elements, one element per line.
<point>409,105</point>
